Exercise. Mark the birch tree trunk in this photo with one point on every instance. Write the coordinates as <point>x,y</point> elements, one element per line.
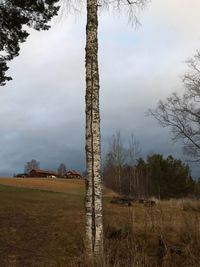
<point>93,202</point>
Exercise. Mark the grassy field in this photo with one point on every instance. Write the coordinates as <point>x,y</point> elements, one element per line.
<point>42,224</point>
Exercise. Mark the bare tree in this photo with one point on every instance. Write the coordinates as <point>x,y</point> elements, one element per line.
<point>181,113</point>
<point>119,170</point>
<point>118,153</point>
<point>62,170</point>
<point>133,154</point>
<point>33,164</point>
<point>93,203</point>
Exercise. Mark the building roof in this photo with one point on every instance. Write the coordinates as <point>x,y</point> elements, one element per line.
<point>73,173</point>
<point>43,171</point>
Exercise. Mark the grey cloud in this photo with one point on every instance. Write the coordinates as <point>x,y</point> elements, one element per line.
<point>42,109</point>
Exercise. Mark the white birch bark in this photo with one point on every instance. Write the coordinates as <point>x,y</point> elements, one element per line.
<point>93,202</point>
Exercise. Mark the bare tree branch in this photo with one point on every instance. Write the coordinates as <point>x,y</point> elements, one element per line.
<point>181,113</point>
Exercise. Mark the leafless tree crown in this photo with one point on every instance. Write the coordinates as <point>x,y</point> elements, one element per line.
<point>181,113</point>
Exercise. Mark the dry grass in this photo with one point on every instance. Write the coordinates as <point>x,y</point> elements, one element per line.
<point>167,234</point>
<point>41,228</point>
<point>186,204</point>
<point>49,184</point>
<point>71,186</point>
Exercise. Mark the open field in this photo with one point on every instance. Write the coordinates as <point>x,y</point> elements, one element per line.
<point>42,224</point>
<point>49,184</point>
<point>70,186</point>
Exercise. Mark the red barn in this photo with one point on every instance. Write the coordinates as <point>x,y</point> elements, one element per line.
<point>73,174</point>
<point>42,173</point>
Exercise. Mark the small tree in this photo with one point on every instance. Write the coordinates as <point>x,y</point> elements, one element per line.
<point>33,164</point>
<point>62,170</point>
<point>133,153</point>
<point>119,171</point>
<point>118,153</point>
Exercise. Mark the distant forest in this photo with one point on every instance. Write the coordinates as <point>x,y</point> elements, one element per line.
<point>127,173</point>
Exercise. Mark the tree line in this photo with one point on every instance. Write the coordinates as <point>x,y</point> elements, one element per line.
<point>127,173</point>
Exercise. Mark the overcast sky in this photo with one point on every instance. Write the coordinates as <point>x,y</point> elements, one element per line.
<point>42,109</point>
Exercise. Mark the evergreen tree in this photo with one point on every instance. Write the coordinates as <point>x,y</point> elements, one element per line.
<point>14,14</point>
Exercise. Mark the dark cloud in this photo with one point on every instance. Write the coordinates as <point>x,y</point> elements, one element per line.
<point>42,109</point>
